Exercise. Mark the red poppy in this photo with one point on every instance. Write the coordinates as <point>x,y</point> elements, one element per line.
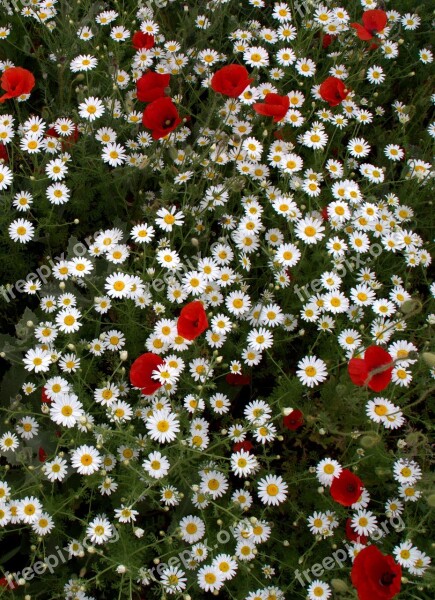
<point>151,86</point>
<point>346,488</point>
<point>374,370</point>
<point>374,21</point>
<point>4,583</point>
<point>4,153</point>
<point>42,455</point>
<point>327,40</point>
<point>246,445</point>
<point>161,116</point>
<point>231,80</point>
<point>375,575</point>
<point>192,320</point>
<point>44,397</point>
<point>16,81</point>
<point>236,379</point>
<point>333,90</point>
<point>324,213</point>
<point>352,535</point>
<point>294,420</point>
<point>141,373</point>
<point>274,105</point>
<point>142,40</point>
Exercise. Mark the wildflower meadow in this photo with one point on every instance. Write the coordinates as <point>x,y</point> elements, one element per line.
<point>217,359</point>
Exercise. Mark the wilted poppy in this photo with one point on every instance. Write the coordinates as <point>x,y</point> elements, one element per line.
<point>274,105</point>
<point>142,40</point>
<point>374,370</point>
<point>374,21</point>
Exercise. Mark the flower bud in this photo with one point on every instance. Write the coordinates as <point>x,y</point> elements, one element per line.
<point>339,586</point>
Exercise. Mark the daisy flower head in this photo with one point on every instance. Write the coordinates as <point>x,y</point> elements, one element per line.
<point>92,108</point>
<point>272,490</point>
<point>29,509</point>
<point>311,371</point>
<point>21,231</point>
<point>99,530</point>
<point>318,590</point>
<point>162,426</point>
<point>86,459</point>
<point>210,579</point>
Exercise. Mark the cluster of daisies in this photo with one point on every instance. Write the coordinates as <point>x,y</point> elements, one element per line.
<point>250,207</point>
<point>364,525</point>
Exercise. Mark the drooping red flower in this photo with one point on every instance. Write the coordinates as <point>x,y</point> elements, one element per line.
<point>352,535</point>
<point>231,80</point>
<point>375,575</point>
<point>333,90</point>
<point>374,21</point>
<point>374,370</point>
<point>161,116</point>
<point>236,379</point>
<point>294,420</point>
<point>4,153</point>
<point>4,583</point>
<point>16,81</point>
<point>192,320</point>
<point>142,40</point>
<point>246,445</point>
<point>327,40</point>
<point>44,397</point>
<point>274,105</point>
<point>151,86</point>
<point>42,455</point>
<point>346,488</point>
<point>141,373</point>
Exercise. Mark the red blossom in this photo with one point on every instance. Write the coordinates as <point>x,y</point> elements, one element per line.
<point>374,21</point>
<point>142,40</point>
<point>237,379</point>
<point>151,86</point>
<point>161,116</point>
<point>333,90</point>
<point>274,105</point>
<point>16,81</point>
<point>346,488</point>
<point>375,576</point>
<point>44,397</point>
<point>324,213</point>
<point>141,373</point>
<point>327,40</point>
<point>192,320</point>
<point>374,370</point>
<point>42,455</point>
<point>294,420</point>
<point>231,80</point>
<point>246,445</point>
<point>4,583</point>
<point>4,153</point>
